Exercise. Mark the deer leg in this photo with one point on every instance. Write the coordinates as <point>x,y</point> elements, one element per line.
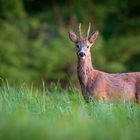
<point>138,97</point>
<point>138,92</point>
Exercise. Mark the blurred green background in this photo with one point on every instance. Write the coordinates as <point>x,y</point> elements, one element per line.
<point>34,43</point>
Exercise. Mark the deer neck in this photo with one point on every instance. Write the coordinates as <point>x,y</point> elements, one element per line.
<point>84,69</point>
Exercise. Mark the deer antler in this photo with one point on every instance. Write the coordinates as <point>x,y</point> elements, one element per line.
<point>80,30</point>
<point>88,29</point>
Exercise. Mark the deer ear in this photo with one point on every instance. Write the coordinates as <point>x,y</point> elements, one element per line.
<point>93,37</point>
<point>73,37</point>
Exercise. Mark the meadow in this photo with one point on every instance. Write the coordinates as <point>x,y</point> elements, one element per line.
<point>39,113</point>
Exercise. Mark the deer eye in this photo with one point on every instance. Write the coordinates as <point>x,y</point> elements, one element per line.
<point>77,46</point>
<point>87,46</point>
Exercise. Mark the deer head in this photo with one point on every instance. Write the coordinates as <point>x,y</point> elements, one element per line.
<point>83,44</point>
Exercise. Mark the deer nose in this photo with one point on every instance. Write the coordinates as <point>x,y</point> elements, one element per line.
<point>81,54</point>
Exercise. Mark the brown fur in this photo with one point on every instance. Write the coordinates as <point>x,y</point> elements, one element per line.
<point>105,86</point>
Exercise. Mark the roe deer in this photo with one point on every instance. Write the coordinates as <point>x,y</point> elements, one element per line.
<point>95,83</point>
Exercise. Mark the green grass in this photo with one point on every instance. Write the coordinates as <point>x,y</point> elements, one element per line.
<point>27,112</point>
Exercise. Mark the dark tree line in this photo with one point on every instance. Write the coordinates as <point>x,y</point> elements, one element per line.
<point>34,43</point>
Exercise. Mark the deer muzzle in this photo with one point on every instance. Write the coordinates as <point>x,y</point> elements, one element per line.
<point>81,54</point>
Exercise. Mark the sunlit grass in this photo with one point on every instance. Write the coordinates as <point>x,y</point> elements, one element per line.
<point>28,112</point>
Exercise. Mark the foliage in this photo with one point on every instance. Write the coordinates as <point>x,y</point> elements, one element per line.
<point>34,42</point>
<point>27,113</point>
<point>32,58</point>
<point>12,9</point>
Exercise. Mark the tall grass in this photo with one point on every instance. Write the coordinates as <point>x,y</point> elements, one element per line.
<point>27,112</point>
